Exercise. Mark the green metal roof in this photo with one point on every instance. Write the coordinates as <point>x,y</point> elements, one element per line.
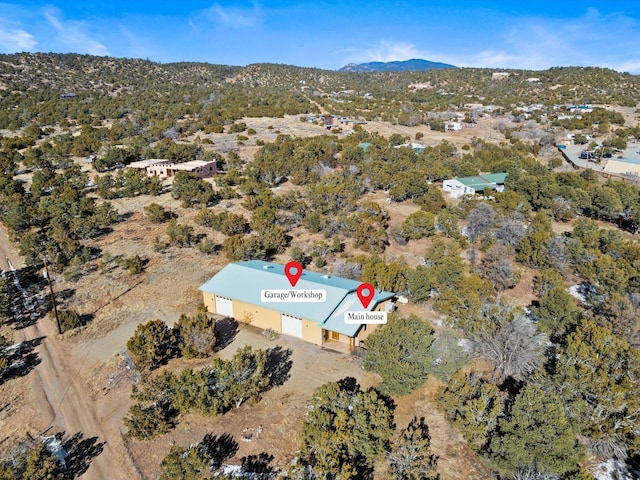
<point>244,281</point>
<point>480,182</point>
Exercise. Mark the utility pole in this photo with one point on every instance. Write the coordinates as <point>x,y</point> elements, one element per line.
<point>53,297</point>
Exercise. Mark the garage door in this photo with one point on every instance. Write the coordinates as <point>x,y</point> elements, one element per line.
<point>291,326</point>
<point>224,306</point>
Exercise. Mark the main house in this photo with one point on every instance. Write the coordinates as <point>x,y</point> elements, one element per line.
<point>235,292</point>
<point>458,187</point>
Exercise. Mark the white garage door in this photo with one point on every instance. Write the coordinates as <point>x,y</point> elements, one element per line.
<point>291,326</point>
<point>224,306</point>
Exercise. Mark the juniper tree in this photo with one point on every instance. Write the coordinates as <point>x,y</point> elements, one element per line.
<point>344,431</point>
<point>152,344</point>
<point>196,335</point>
<point>419,224</point>
<point>409,457</point>
<point>474,406</point>
<point>596,376</point>
<point>536,432</point>
<point>29,460</point>
<point>399,353</point>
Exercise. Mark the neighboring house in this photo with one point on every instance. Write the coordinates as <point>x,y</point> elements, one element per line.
<point>580,108</point>
<point>235,292</point>
<point>453,126</point>
<point>499,75</point>
<point>343,123</point>
<point>416,147</point>
<point>166,168</point>
<point>457,187</point>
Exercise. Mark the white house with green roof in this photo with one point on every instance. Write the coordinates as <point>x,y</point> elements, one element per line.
<point>458,187</point>
<point>236,292</point>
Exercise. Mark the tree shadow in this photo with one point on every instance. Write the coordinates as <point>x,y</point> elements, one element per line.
<point>22,359</point>
<point>85,318</point>
<point>29,300</point>
<point>257,464</point>
<point>65,294</point>
<point>220,449</point>
<point>226,331</point>
<point>278,366</point>
<point>80,452</point>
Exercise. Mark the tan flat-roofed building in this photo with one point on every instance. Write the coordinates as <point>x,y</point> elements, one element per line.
<point>166,168</point>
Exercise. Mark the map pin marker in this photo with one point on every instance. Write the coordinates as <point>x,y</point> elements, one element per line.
<point>365,293</point>
<point>293,271</point>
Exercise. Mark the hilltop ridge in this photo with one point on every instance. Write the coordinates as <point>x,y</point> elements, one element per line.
<point>396,66</point>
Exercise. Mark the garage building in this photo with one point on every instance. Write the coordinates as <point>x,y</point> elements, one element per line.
<point>235,292</point>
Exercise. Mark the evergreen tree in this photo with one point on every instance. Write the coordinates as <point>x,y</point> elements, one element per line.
<point>185,463</point>
<point>196,335</point>
<point>29,460</point>
<point>152,344</point>
<point>596,377</point>
<point>399,353</point>
<point>536,432</point>
<point>344,431</point>
<point>474,406</point>
<point>409,458</point>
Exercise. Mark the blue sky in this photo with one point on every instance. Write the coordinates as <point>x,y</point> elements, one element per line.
<point>329,34</point>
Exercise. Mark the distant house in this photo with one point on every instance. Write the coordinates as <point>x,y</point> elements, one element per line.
<point>343,123</point>
<point>499,75</point>
<point>416,147</point>
<point>236,291</point>
<point>166,168</point>
<point>453,126</point>
<point>580,108</point>
<point>68,95</point>
<point>458,187</point>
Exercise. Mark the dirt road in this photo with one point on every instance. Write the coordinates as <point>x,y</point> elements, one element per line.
<point>57,385</point>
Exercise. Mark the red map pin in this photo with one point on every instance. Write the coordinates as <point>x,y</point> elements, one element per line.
<point>293,271</point>
<point>365,293</point>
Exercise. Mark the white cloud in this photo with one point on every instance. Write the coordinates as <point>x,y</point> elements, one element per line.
<point>243,17</point>
<point>74,34</point>
<point>592,39</point>
<point>136,46</point>
<point>388,51</point>
<point>15,39</point>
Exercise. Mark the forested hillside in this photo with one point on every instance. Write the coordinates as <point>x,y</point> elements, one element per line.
<point>109,88</point>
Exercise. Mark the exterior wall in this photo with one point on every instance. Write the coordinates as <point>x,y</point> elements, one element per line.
<point>158,171</point>
<point>264,318</point>
<point>257,315</point>
<point>311,332</point>
<point>456,189</point>
<point>209,300</point>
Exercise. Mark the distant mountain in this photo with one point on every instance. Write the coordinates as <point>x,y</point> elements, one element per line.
<point>404,66</point>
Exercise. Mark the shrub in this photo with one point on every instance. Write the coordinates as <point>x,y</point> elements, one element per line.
<point>69,319</point>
